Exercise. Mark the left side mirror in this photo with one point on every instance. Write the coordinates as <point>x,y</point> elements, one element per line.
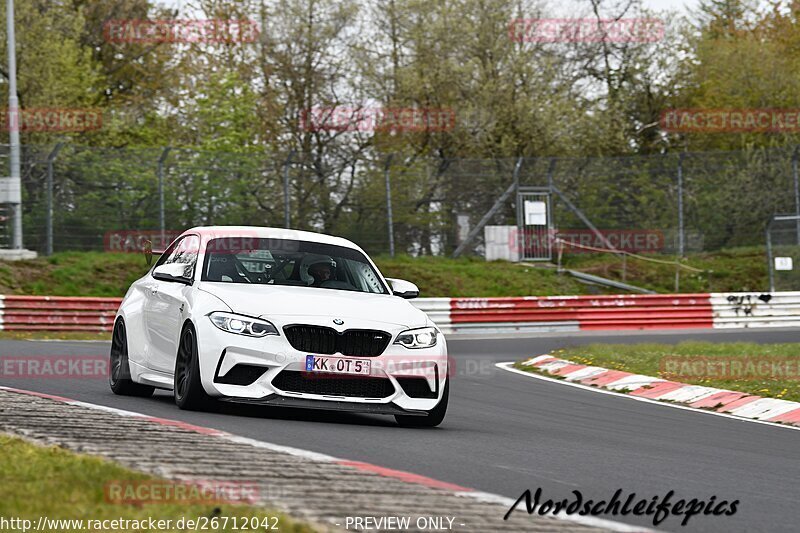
<point>173,272</point>
<point>402,288</point>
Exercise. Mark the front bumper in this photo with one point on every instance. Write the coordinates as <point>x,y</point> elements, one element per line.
<point>276,400</point>
<point>251,370</point>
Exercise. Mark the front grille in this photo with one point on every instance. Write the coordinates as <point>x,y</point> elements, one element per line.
<point>417,387</point>
<point>322,340</point>
<point>241,375</point>
<point>333,384</point>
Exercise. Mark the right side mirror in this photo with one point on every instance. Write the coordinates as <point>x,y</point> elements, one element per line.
<point>173,272</point>
<point>402,288</point>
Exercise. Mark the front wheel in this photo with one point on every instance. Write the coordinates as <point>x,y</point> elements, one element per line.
<point>434,416</point>
<point>119,375</point>
<point>188,390</point>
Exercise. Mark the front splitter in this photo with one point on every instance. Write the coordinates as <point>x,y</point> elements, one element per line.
<point>275,400</point>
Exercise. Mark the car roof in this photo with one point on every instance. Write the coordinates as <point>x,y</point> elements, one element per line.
<point>261,232</point>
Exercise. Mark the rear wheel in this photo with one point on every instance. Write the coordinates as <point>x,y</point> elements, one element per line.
<point>119,375</point>
<point>434,416</point>
<point>188,391</point>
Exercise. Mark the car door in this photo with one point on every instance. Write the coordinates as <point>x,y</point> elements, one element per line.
<point>166,304</point>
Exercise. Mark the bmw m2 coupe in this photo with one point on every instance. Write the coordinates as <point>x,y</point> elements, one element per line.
<point>279,317</point>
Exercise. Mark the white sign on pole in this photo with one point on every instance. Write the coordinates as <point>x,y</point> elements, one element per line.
<point>783,263</point>
<point>10,191</point>
<point>462,223</point>
<point>535,213</point>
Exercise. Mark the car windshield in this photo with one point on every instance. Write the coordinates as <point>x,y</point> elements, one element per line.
<point>289,262</point>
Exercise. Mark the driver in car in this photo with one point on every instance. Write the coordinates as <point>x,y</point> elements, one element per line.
<point>321,272</point>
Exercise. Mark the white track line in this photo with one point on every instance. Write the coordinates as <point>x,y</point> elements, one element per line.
<point>509,367</point>
<point>65,341</point>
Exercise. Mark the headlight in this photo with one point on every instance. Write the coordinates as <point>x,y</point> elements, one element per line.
<point>417,338</point>
<point>243,325</point>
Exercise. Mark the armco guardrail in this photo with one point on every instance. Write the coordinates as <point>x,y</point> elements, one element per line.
<point>572,313</point>
<point>484,315</point>
<point>610,312</point>
<point>57,313</point>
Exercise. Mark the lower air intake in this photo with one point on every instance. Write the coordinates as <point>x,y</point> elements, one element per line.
<point>333,384</point>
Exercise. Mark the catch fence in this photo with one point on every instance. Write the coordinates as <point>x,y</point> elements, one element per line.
<point>694,201</point>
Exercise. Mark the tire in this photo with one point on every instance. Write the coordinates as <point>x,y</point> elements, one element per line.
<point>119,375</point>
<point>187,388</point>
<point>434,416</point>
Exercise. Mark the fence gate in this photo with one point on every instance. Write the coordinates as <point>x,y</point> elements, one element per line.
<point>534,224</point>
<point>783,252</point>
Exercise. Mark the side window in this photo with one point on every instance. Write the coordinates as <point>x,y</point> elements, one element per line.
<point>184,251</point>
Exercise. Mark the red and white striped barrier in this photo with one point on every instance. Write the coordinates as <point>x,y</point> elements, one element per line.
<point>484,315</point>
<point>613,312</point>
<point>57,313</point>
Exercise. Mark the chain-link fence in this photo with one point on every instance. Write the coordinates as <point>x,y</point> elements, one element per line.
<point>698,201</point>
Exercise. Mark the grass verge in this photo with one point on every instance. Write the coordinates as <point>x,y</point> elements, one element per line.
<point>669,362</point>
<point>58,484</point>
<point>475,277</point>
<point>110,274</point>
<point>732,270</point>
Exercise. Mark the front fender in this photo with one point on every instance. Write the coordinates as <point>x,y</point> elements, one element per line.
<point>131,310</point>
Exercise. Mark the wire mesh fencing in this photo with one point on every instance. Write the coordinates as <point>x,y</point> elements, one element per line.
<point>75,196</point>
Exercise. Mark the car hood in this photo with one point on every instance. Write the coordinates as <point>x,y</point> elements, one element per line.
<point>276,300</point>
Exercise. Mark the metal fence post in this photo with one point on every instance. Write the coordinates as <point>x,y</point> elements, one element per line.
<point>49,215</point>
<point>796,193</point>
<point>769,257</point>
<point>14,194</point>
<point>551,233</point>
<point>161,221</point>
<point>389,220</point>
<point>681,246</point>
<point>287,219</point>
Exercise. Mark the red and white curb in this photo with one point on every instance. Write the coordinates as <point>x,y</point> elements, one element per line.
<point>711,400</point>
<point>408,477</point>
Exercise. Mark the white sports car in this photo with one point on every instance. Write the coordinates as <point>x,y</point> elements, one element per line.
<point>279,317</point>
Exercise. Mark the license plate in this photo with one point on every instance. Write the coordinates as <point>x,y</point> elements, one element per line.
<point>337,365</point>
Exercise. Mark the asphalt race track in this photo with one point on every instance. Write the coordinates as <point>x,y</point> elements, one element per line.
<point>505,433</point>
